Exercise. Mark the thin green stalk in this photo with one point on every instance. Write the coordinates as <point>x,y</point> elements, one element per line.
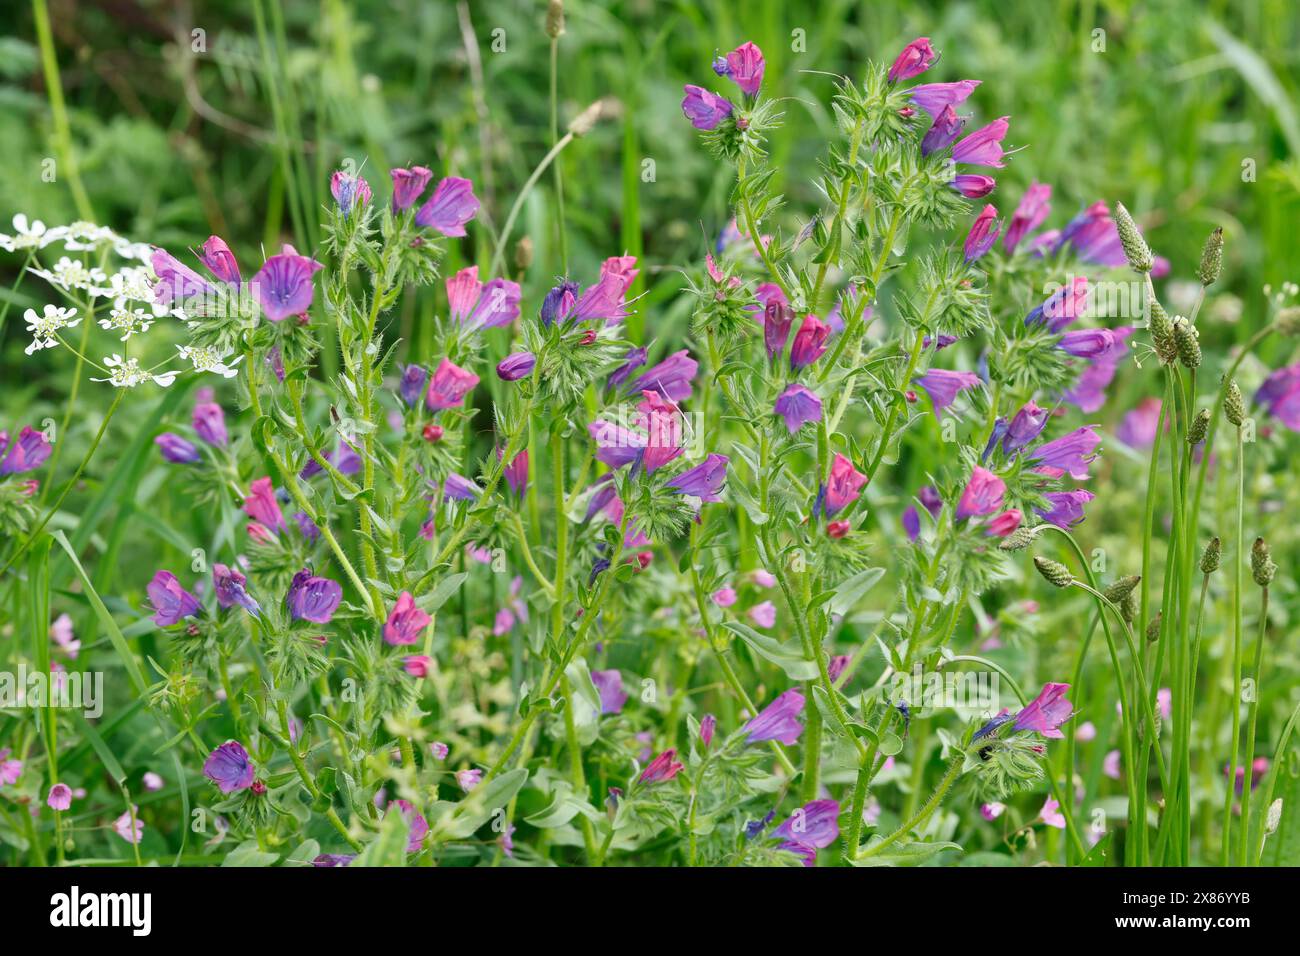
<point>1249,763</point>
<point>1238,559</point>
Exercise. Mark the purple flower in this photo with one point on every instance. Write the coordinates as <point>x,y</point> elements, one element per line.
<point>913,60</point>
<point>778,720</point>
<point>417,827</point>
<point>607,299</point>
<point>177,450</point>
<point>349,190</point>
<point>664,767</point>
<point>284,284</point>
<point>945,129</point>
<point>798,406</point>
<point>777,319</point>
<point>313,599</point>
<point>764,615</point>
<point>261,505</point>
<point>229,583</point>
<point>615,446</point>
<point>1138,429</point>
<point>745,66</point>
<point>813,826</point>
<point>516,472</point>
<point>1046,712</point>
<point>984,146</point>
<point>704,481</point>
<point>412,385</point>
<point>449,386</point>
<point>559,303</point>
<point>809,342</point>
<point>306,527</point>
<point>1029,215</point>
<point>326,860</point>
<point>841,489</point>
<point>408,184</point>
<point>515,366</point>
<point>1066,507</point>
<point>60,797</point>
<point>836,666</point>
<point>973,185</point>
<point>467,780</point>
<point>1069,454</point>
<point>609,684</point>
<point>705,110</point>
<point>633,360</point>
<point>175,281</point>
<point>671,378</point>
<point>663,424</point>
<point>497,305</point>
<point>229,767</point>
<point>1089,391</point>
<point>216,255</point>
<point>1087,343</point>
<point>982,495</point>
<point>707,728</point>
<point>1062,307</point>
<point>10,769</point>
<point>982,233</point>
<point>933,97</point>
<point>1024,427</point>
<point>932,503</point>
<point>209,423</point>
<point>405,621</point>
<point>171,602</point>
<point>999,430</point>
<point>26,453</point>
<point>459,488</point>
<point>452,204</point>
<point>943,385</point>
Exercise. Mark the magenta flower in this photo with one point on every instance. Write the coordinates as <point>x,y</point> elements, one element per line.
<point>945,129</point>
<point>1046,712</point>
<point>220,261</point>
<point>349,190</point>
<point>982,496</point>
<point>724,597</point>
<point>671,378</point>
<point>228,583</point>
<point>261,505</point>
<point>943,385</point>
<point>809,342</point>
<point>615,446</point>
<point>1138,429</point>
<point>229,767</point>
<point>841,489</point>
<point>984,146</point>
<point>171,602</point>
<point>284,284</point>
<point>663,424</point>
<point>467,780</point>
<point>514,609</point>
<point>449,386</point>
<point>607,299</point>
<point>1029,215</point>
<point>516,472</point>
<point>313,599</point>
<point>778,720</point>
<point>836,666</point>
<point>1051,814</point>
<point>609,685</point>
<point>408,185</point>
<point>664,767</point>
<point>1087,343</point>
<point>176,281</point>
<point>763,615</point>
<point>777,319</point>
<point>913,60</point>
<point>1066,507</point>
<point>705,110</point>
<point>1089,392</point>
<point>704,481</point>
<point>10,768</point>
<point>1069,454</point>
<point>209,422</point>
<point>1004,524</point>
<point>417,827</point>
<point>405,621</point>
<point>983,233</point>
<point>1280,395</point>
<point>708,725</point>
<point>60,797</point>
<point>177,450</point>
<point>933,97</point>
<point>1025,427</point>
<point>457,487</point>
<point>452,204</point>
<point>1062,307</point>
<point>745,66</point>
<point>973,185</point>
<point>26,453</point>
<point>129,826</point>
<point>813,826</point>
<point>515,366</point>
<point>798,406</point>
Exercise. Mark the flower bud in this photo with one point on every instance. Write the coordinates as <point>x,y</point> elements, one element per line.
<point>1262,567</point>
<point>1057,574</point>
<point>1153,629</point>
<point>1211,258</point>
<point>1212,556</point>
<point>1234,406</point>
<point>555,18</point>
<point>1288,320</point>
<point>1122,588</point>
<point>1185,338</point>
<point>1019,539</point>
<point>1136,249</point>
<point>1200,425</point>
<point>1162,332</point>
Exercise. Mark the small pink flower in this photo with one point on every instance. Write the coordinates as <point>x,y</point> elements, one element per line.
<point>724,597</point>
<point>152,782</point>
<point>60,797</point>
<point>1085,732</point>
<point>1051,814</point>
<point>439,750</point>
<point>764,615</point>
<point>764,579</point>
<point>467,780</point>
<point>991,811</point>
<point>1110,765</point>
<point>405,621</point>
<point>417,665</point>
<point>130,830</point>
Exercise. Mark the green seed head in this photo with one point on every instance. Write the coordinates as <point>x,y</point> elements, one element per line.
<point>1200,425</point>
<point>1211,258</point>
<point>1262,567</point>
<point>1212,556</point>
<point>1055,572</point>
<point>1234,406</point>
<point>1153,629</point>
<point>1187,342</point>
<point>1162,332</point>
<point>1019,539</point>
<point>1128,608</point>
<point>1136,249</point>
<point>1122,588</point>
<point>555,18</point>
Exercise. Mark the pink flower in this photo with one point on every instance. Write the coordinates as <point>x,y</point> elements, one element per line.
<point>467,780</point>
<point>62,635</point>
<point>843,488</point>
<point>405,621</point>
<point>152,782</point>
<point>1110,765</point>
<point>417,665</point>
<point>1046,712</point>
<point>1051,814</point>
<point>60,797</point>
<point>983,494</point>
<point>439,750</point>
<point>1004,524</point>
<point>724,597</point>
<point>983,233</point>
<point>764,579</point>
<point>1138,429</point>
<point>764,615</point>
<point>449,385</point>
<point>416,826</point>
<point>261,505</point>
<point>745,65</point>
<point>10,769</point>
<point>1085,732</point>
<point>664,767</point>
<point>129,826</point>
<point>991,811</point>
<point>913,60</point>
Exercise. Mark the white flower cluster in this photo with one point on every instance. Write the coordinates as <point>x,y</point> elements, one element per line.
<point>43,327</point>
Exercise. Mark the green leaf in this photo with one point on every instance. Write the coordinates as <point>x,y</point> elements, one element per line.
<point>442,593</point>
<point>248,854</point>
<point>389,847</point>
<point>787,658</point>
<point>851,590</point>
<point>475,810</point>
<point>909,854</point>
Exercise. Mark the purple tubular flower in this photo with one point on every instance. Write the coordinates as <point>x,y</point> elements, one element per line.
<point>1069,454</point>
<point>216,255</point>
<point>745,65</point>
<point>664,767</point>
<point>306,527</point>
<point>842,488</point>
<point>633,360</point>
<point>609,685</point>
<point>171,602</point>
<point>777,319</point>
<point>1089,391</point>
<point>349,190</point>
<point>25,453</point>
<point>836,666</point>
<point>708,725</point>
<point>813,826</point>
<point>417,827</point>
<point>175,281</point>
<point>459,488</point>
<point>932,503</point>
<point>559,303</point>
<point>705,110</point>
<point>1066,507</point>
<point>516,473</point>
<point>1029,215</point>
<point>809,342</point>
<point>943,385</point>
<point>1138,429</point>
<point>1024,427</point>
<point>607,299</point>
<point>229,767</point>
<point>671,378</point>
<point>913,60</point>
<point>973,185</point>
<point>229,586</point>
<point>452,204</point>
<point>405,621</point>
<point>497,306</point>
<point>999,431</point>
<point>704,481</point>
<point>984,146</point>
<point>408,184</point>
<point>947,126</point>
<point>326,860</point>
<point>982,233</point>
<point>1062,307</point>
<point>261,504</point>
<point>615,446</point>
<point>412,384</point>
<point>313,599</point>
<point>515,366</point>
<point>778,720</point>
<point>933,97</point>
<point>449,386</point>
<point>284,284</point>
<point>1087,343</point>
<point>177,450</point>
<point>1046,712</point>
<point>798,406</point>
<point>209,422</point>
<point>982,495</point>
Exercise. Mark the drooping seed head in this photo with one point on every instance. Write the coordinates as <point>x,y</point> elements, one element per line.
<point>1262,567</point>
<point>1122,588</point>
<point>1212,556</point>
<point>1187,342</point>
<point>1056,574</point>
<point>1162,332</point>
<point>1153,629</point>
<point>1200,425</point>
<point>1128,608</point>
<point>1019,539</point>
<point>1234,406</point>
<point>1211,258</point>
<point>1136,249</point>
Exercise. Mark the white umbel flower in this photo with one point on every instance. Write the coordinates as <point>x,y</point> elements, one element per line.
<point>82,235</point>
<point>29,235</point>
<point>127,373</point>
<point>69,274</point>
<point>207,359</point>
<point>127,321</point>
<point>45,325</point>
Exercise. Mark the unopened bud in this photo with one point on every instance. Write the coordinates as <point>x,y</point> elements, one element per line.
<point>524,253</point>
<point>1200,425</point>
<point>1234,406</point>
<point>1136,249</point>
<point>1019,539</point>
<point>1055,572</point>
<point>555,18</point>
<point>1211,258</point>
<point>1189,346</point>
<point>1162,332</point>
<point>1212,555</point>
<point>1262,567</point>
<point>1153,629</point>
<point>1122,588</point>
<point>1288,320</point>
